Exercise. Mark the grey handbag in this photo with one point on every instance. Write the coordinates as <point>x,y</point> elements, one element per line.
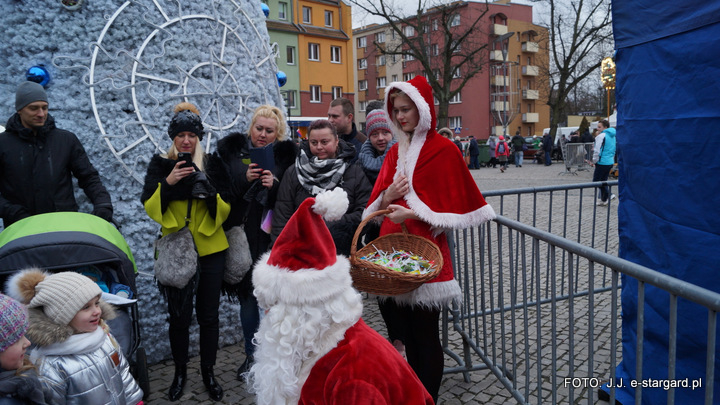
<point>237,260</point>
<point>176,257</point>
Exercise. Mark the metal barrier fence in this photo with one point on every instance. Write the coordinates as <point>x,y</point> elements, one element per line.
<point>541,310</point>
<point>576,157</point>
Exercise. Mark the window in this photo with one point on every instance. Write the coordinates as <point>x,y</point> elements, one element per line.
<point>290,55</point>
<point>455,122</point>
<point>394,78</point>
<point>336,92</point>
<point>436,101</point>
<point>380,60</point>
<point>456,99</point>
<point>361,42</point>
<point>335,55</point>
<point>314,51</point>
<point>307,15</point>
<point>363,105</point>
<point>456,46</point>
<point>395,58</point>
<point>362,85</point>
<point>315,94</point>
<point>408,76</point>
<point>328,18</point>
<point>282,10</point>
<point>456,73</point>
<point>393,34</point>
<point>381,82</point>
<point>529,59</point>
<point>409,30</point>
<point>435,50</point>
<point>436,73</point>
<point>380,37</point>
<point>362,63</point>
<point>434,25</point>
<point>290,98</point>
<point>409,57</point>
<point>455,20</point>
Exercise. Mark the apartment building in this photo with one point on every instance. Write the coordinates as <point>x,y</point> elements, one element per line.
<point>509,94</point>
<point>314,47</point>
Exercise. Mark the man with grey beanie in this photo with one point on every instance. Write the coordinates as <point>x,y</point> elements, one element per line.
<point>38,161</point>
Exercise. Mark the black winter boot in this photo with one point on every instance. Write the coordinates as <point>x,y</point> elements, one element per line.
<point>178,383</point>
<point>245,367</point>
<point>215,391</point>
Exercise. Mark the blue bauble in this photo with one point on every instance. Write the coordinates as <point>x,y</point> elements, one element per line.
<point>281,78</point>
<point>265,9</point>
<point>38,74</point>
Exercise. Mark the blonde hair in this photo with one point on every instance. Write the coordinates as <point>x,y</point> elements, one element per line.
<point>271,112</point>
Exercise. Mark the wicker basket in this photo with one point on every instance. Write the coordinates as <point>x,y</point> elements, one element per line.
<point>380,280</point>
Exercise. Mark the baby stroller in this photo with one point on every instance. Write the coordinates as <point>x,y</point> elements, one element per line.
<point>72,241</point>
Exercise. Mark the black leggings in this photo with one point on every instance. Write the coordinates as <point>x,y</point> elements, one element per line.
<point>207,304</point>
<point>418,327</point>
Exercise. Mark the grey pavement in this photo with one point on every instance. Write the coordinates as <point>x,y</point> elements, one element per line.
<point>482,388</point>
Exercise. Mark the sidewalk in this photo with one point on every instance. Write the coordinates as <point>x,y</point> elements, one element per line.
<point>483,387</point>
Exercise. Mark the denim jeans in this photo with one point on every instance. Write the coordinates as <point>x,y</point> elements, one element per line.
<point>518,158</point>
<point>548,160</point>
<point>601,173</point>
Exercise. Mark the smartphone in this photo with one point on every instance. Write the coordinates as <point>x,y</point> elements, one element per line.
<point>187,157</point>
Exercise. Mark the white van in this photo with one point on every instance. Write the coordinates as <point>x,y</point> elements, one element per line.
<point>561,131</point>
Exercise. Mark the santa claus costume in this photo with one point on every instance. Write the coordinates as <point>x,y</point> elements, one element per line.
<point>441,195</point>
<point>312,345</point>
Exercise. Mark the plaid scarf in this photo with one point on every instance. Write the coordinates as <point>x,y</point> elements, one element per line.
<point>317,175</point>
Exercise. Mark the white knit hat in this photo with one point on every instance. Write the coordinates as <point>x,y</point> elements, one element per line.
<point>61,295</point>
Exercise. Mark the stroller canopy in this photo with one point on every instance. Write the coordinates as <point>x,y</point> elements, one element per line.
<point>63,240</point>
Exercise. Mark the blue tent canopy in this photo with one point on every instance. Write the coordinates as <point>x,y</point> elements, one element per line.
<point>668,95</point>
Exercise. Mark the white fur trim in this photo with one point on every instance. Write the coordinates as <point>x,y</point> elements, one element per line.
<point>331,205</point>
<point>431,295</point>
<point>422,105</point>
<point>305,286</point>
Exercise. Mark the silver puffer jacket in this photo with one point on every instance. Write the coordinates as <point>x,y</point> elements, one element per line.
<point>87,368</point>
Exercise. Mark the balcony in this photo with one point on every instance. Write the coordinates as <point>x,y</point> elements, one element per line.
<point>499,105</point>
<point>496,56</point>
<point>529,118</point>
<point>529,46</point>
<point>500,81</point>
<point>499,29</point>
<point>497,130</point>
<point>530,70</point>
<point>530,94</point>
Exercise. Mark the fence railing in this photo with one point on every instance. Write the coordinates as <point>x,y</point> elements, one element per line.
<point>541,307</point>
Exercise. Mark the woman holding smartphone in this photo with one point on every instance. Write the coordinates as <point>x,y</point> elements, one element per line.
<point>176,195</point>
<point>253,201</point>
<point>425,183</point>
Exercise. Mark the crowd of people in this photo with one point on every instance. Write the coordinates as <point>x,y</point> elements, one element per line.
<point>297,207</point>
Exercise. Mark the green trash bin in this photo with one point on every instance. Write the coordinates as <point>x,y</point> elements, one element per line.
<point>484,154</point>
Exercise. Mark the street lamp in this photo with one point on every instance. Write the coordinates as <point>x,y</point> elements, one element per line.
<point>607,74</point>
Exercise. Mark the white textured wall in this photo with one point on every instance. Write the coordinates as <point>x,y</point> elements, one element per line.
<point>218,60</point>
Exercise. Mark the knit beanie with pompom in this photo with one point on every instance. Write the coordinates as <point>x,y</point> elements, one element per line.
<point>13,322</point>
<point>377,120</point>
<point>186,118</point>
<point>61,296</point>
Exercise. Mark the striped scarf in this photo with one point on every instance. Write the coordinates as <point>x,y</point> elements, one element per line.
<point>317,175</point>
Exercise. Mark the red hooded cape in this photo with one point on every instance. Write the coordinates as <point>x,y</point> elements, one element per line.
<point>442,192</point>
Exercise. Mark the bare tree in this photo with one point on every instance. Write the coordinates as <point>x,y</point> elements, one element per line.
<point>580,35</point>
<point>450,54</point>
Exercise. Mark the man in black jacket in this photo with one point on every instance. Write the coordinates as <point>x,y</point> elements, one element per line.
<point>341,115</point>
<point>38,161</point>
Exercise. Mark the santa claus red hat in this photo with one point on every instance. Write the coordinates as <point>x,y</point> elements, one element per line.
<point>302,267</point>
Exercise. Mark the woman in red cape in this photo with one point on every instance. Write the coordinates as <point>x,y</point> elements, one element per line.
<point>425,183</point>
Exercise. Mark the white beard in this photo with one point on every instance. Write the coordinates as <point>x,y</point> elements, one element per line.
<point>291,339</point>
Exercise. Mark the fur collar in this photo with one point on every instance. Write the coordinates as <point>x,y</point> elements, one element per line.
<point>43,331</point>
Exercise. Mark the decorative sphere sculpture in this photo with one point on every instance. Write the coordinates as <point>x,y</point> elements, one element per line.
<point>265,9</point>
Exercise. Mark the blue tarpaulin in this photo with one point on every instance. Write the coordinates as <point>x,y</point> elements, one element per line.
<point>668,134</point>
